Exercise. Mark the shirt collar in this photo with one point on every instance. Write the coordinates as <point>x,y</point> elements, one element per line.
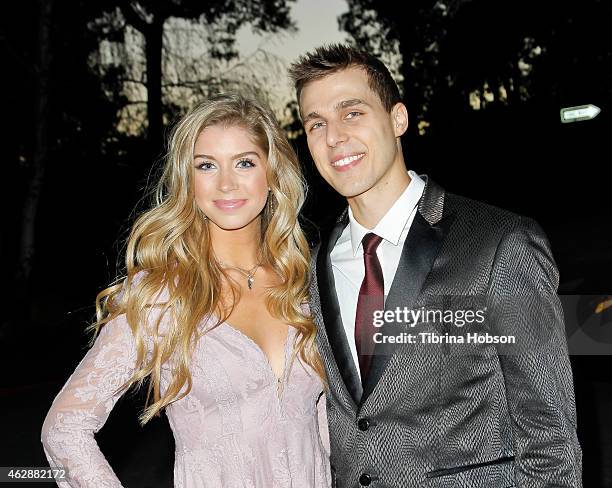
<point>392,224</point>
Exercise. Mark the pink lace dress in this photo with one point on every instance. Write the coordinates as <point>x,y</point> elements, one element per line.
<point>235,429</point>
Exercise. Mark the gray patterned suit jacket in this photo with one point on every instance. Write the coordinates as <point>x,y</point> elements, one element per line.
<point>438,416</point>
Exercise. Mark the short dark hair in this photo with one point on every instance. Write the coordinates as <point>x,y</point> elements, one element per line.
<point>331,58</point>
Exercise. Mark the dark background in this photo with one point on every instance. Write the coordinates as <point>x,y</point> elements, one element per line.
<point>71,180</point>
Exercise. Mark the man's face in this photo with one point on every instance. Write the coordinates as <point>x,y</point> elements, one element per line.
<point>352,138</point>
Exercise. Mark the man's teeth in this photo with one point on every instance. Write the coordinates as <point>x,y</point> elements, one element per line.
<point>347,160</point>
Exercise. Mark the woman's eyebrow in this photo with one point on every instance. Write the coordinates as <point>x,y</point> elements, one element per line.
<point>235,156</point>
<point>204,156</point>
<point>247,153</point>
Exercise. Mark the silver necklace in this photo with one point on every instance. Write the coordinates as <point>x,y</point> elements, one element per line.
<point>250,274</point>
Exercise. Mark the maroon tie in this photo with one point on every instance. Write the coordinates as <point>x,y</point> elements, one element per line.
<point>371,298</point>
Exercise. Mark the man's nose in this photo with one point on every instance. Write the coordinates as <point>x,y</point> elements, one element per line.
<point>335,134</point>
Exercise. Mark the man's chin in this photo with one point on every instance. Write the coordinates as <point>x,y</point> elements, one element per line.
<point>352,191</point>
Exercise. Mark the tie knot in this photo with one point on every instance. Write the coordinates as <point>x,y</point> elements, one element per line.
<point>370,242</point>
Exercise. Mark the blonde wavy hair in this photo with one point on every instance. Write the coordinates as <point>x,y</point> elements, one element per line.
<point>179,281</point>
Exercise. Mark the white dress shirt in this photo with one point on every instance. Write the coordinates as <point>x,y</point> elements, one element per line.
<point>347,255</point>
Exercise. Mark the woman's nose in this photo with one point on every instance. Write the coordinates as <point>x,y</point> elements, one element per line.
<point>227,181</point>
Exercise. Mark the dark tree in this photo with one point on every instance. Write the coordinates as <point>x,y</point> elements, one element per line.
<point>149,18</point>
<point>40,146</point>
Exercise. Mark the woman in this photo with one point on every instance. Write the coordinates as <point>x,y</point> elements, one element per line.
<point>211,315</point>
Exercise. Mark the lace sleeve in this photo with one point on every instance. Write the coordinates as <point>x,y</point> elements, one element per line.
<point>83,405</point>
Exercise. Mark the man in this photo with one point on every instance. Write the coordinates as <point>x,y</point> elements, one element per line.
<point>418,413</point>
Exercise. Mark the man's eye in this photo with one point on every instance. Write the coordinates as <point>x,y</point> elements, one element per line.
<point>245,163</point>
<point>316,125</point>
<point>352,115</point>
<point>205,166</point>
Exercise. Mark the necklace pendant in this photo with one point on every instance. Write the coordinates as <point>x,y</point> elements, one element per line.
<point>250,281</point>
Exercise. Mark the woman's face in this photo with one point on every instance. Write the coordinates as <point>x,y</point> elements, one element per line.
<point>231,186</point>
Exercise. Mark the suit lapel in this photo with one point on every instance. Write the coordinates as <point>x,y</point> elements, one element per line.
<point>331,312</point>
<point>420,250</point>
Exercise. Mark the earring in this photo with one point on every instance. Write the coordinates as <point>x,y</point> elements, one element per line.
<point>270,204</point>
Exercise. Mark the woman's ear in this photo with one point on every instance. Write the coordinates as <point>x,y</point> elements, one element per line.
<point>399,113</point>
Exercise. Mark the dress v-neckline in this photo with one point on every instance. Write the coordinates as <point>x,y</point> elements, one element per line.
<point>249,339</point>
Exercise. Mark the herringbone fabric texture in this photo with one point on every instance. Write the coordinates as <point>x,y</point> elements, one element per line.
<point>481,420</point>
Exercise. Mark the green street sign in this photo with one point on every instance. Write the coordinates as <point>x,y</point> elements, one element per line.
<point>579,113</point>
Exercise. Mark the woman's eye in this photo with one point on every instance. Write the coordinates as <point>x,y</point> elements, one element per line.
<point>245,163</point>
<point>205,166</point>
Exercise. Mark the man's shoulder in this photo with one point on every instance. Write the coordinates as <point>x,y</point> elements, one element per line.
<point>469,206</point>
<point>480,214</point>
<point>480,221</point>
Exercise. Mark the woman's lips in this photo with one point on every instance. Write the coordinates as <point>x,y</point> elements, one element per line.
<point>229,204</point>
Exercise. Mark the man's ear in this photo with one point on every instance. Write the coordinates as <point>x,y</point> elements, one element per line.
<point>399,114</point>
